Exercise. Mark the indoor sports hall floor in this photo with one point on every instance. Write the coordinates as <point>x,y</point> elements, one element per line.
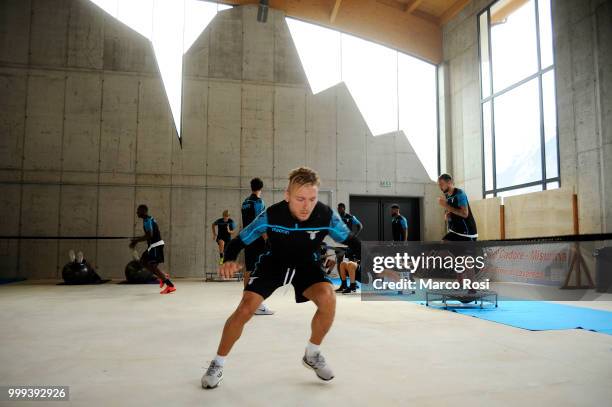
<point>111,343</point>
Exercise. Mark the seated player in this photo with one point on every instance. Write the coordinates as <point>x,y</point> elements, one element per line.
<point>351,223</point>
<point>327,259</point>
<point>352,270</point>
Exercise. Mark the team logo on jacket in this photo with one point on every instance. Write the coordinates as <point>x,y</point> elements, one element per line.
<point>312,233</point>
<point>278,230</point>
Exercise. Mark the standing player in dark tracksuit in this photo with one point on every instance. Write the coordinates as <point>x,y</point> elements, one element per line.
<point>399,225</point>
<point>399,230</point>
<point>154,255</point>
<point>252,206</point>
<point>295,229</point>
<point>223,234</point>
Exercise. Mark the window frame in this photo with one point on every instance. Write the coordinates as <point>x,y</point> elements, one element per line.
<point>544,181</point>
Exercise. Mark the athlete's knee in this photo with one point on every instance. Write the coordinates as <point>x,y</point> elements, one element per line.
<point>247,307</point>
<point>243,313</point>
<point>326,299</point>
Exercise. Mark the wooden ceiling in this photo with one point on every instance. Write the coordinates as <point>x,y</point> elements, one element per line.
<point>410,26</point>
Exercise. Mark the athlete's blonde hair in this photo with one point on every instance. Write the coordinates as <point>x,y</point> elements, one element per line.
<point>303,176</point>
<point>226,213</point>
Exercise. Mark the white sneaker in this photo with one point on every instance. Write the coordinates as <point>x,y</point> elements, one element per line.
<point>317,363</point>
<point>213,376</point>
<point>263,310</point>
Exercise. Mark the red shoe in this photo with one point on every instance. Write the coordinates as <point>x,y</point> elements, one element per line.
<point>168,290</point>
<point>161,282</point>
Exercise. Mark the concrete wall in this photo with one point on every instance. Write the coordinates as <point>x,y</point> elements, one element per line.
<point>583,56</point>
<point>582,33</point>
<point>86,135</point>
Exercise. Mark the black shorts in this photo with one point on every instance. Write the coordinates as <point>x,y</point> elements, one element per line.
<point>462,249</point>
<point>153,256</point>
<point>453,237</point>
<point>226,239</point>
<point>270,276</point>
<point>252,253</point>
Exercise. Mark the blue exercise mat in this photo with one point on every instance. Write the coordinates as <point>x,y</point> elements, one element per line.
<point>532,315</point>
<point>542,316</point>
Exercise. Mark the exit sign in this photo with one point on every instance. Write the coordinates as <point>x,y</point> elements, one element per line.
<point>385,184</point>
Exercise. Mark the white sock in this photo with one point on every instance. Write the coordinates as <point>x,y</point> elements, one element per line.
<point>311,348</point>
<point>263,306</point>
<point>220,360</point>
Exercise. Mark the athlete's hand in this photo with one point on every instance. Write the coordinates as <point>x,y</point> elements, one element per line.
<point>442,202</point>
<point>228,269</point>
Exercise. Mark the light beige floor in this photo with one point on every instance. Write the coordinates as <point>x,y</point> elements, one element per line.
<point>120,345</point>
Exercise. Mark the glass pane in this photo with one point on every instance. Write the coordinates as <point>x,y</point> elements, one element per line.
<point>546,43</point>
<point>488,145</point>
<point>513,42</point>
<point>198,14</point>
<point>484,55</point>
<point>370,73</point>
<point>518,157</point>
<point>520,191</point>
<point>416,81</point>
<point>168,26</point>
<point>552,185</point>
<point>488,196</point>
<point>319,52</point>
<point>221,6</point>
<point>138,15</point>
<point>110,6</point>
<point>550,124</point>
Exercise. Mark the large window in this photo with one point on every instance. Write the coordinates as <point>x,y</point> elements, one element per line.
<point>167,24</point>
<point>393,91</point>
<point>518,103</point>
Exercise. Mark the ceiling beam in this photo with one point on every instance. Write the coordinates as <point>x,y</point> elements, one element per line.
<point>393,3</point>
<point>334,12</point>
<point>452,11</point>
<point>427,17</point>
<point>413,6</point>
